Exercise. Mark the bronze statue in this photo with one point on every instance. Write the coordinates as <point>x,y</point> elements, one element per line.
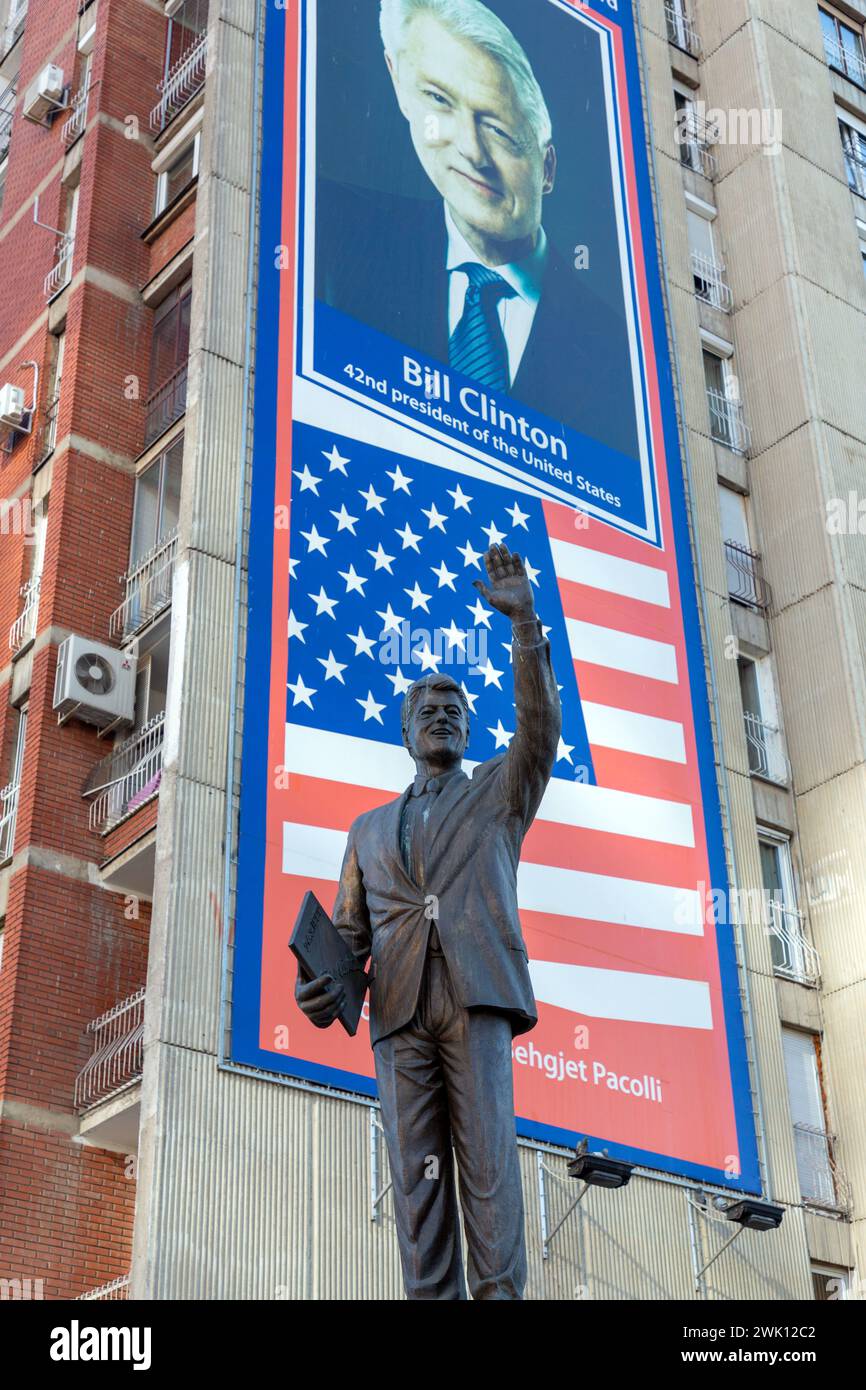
<point>428,891</point>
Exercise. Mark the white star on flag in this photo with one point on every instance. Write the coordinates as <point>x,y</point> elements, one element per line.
<point>391,621</point>
<point>382,559</point>
<point>518,518</point>
<point>445,576</point>
<point>324,604</point>
<point>373,500</point>
<point>470,556</point>
<point>354,582</point>
<point>434,517</point>
<point>371,709</point>
<point>408,537</point>
<point>362,643</point>
<point>333,668</point>
<point>419,599</point>
<point>564,750</point>
<point>470,699</point>
<point>296,629</point>
<point>489,672</point>
<point>301,692</point>
<point>336,460</point>
<point>479,613</point>
<point>400,682</point>
<point>315,541</point>
<point>344,521</point>
<point>400,481</point>
<point>493,535</point>
<point>502,736</point>
<point>461,499</point>
<point>308,482</point>
<point>429,662</point>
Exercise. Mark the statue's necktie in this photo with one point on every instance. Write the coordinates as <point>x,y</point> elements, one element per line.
<point>477,347</point>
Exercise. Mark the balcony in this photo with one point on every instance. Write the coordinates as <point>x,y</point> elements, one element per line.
<point>184,78</point>
<point>116,1061</point>
<point>128,778</point>
<point>23,630</point>
<point>793,954</point>
<point>14,27</point>
<point>694,137</point>
<point>848,61</point>
<point>74,124</point>
<point>165,405</point>
<point>681,31</point>
<point>148,590</point>
<point>767,758</point>
<point>60,275</point>
<point>822,1182</point>
<point>746,583</point>
<point>710,284</point>
<point>727,425</point>
<point>117,1289</point>
<point>7,111</point>
<point>8,814</point>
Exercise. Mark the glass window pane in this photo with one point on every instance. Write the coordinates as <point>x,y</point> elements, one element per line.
<point>171,488</point>
<point>180,174</point>
<point>145,519</point>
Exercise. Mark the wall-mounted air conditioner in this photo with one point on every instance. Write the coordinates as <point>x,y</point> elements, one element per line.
<point>12,406</point>
<point>94,683</point>
<point>45,96</point>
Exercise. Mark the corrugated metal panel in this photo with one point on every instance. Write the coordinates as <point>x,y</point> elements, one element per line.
<point>212,455</point>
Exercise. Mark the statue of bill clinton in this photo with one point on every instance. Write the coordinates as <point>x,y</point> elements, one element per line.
<point>428,891</point>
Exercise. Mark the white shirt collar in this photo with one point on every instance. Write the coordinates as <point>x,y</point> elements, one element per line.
<point>525,276</point>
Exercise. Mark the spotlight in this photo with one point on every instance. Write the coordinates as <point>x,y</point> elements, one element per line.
<point>755,1216</point>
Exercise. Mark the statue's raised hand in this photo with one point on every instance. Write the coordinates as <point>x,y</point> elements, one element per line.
<point>508,589</point>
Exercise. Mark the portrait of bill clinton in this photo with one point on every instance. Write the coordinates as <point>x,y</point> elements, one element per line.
<point>460,266</point>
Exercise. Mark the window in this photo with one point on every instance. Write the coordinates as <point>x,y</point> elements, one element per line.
<point>812,1140</point>
<point>707,269</point>
<point>830,1283</point>
<point>7,110</point>
<point>178,175</point>
<point>792,953</point>
<point>693,136</point>
<point>52,403</point>
<point>9,793</point>
<point>843,48</point>
<point>854,149</point>
<point>184,70</point>
<point>16,15</point>
<point>157,502</point>
<point>680,28</point>
<point>745,578</point>
<point>169,353</point>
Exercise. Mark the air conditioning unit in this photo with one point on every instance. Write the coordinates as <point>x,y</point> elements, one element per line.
<point>94,683</point>
<point>45,95</point>
<point>12,411</point>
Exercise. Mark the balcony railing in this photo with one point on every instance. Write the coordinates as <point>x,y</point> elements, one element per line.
<point>681,31</point>
<point>746,582</point>
<point>694,136</point>
<point>822,1181</point>
<point>855,166</point>
<point>727,425</point>
<point>117,1289</point>
<point>23,630</point>
<point>181,83</point>
<point>844,60</point>
<point>710,283</point>
<point>8,814</point>
<point>165,405</point>
<point>767,757</point>
<point>127,778</point>
<point>793,953</point>
<point>77,120</point>
<point>7,111</point>
<point>14,27</point>
<point>59,276</point>
<point>148,589</point>
<point>117,1052</point>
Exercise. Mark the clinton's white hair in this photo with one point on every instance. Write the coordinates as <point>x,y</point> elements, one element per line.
<point>471,20</point>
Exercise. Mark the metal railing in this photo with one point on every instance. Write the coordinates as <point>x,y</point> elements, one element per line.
<point>793,954</point>
<point>844,61</point>
<point>855,166</point>
<point>77,120</point>
<point>127,778</point>
<point>746,582</point>
<point>727,425</point>
<point>59,276</point>
<point>23,630</point>
<point>822,1181</point>
<point>7,111</point>
<point>48,432</point>
<point>14,28</point>
<point>767,757</point>
<point>148,589</point>
<point>8,814</point>
<point>710,283</point>
<point>166,405</point>
<point>117,1289</point>
<point>694,136</point>
<point>116,1062</point>
<point>183,80</point>
<point>681,30</point>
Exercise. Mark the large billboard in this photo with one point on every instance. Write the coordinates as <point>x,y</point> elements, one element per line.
<point>460,340</point>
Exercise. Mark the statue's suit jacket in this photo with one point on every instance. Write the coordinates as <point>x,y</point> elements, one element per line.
<point>470,854</point>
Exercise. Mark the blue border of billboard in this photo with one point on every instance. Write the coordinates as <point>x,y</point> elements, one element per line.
<point>245,1011</point>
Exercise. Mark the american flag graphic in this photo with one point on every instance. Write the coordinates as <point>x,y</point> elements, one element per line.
<point>614,872</point>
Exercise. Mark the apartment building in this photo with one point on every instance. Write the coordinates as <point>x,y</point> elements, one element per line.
<point>135,1159</point>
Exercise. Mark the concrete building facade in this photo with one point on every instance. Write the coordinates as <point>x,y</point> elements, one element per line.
<point>135,1159</point>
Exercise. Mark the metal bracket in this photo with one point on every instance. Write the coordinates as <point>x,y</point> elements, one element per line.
<point>377,1134</point>
<point>543,1172</point>
<point>703,1209</point>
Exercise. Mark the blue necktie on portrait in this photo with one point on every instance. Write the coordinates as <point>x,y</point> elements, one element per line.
<point>477,347</point>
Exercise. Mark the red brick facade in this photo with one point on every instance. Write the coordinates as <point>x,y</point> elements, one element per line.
<point>72,948</point>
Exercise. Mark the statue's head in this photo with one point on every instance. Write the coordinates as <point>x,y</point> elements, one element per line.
<point>435,720</point>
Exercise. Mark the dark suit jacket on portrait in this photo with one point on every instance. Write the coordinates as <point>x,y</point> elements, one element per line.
<point>470,853</point>
<point>382,260</point>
